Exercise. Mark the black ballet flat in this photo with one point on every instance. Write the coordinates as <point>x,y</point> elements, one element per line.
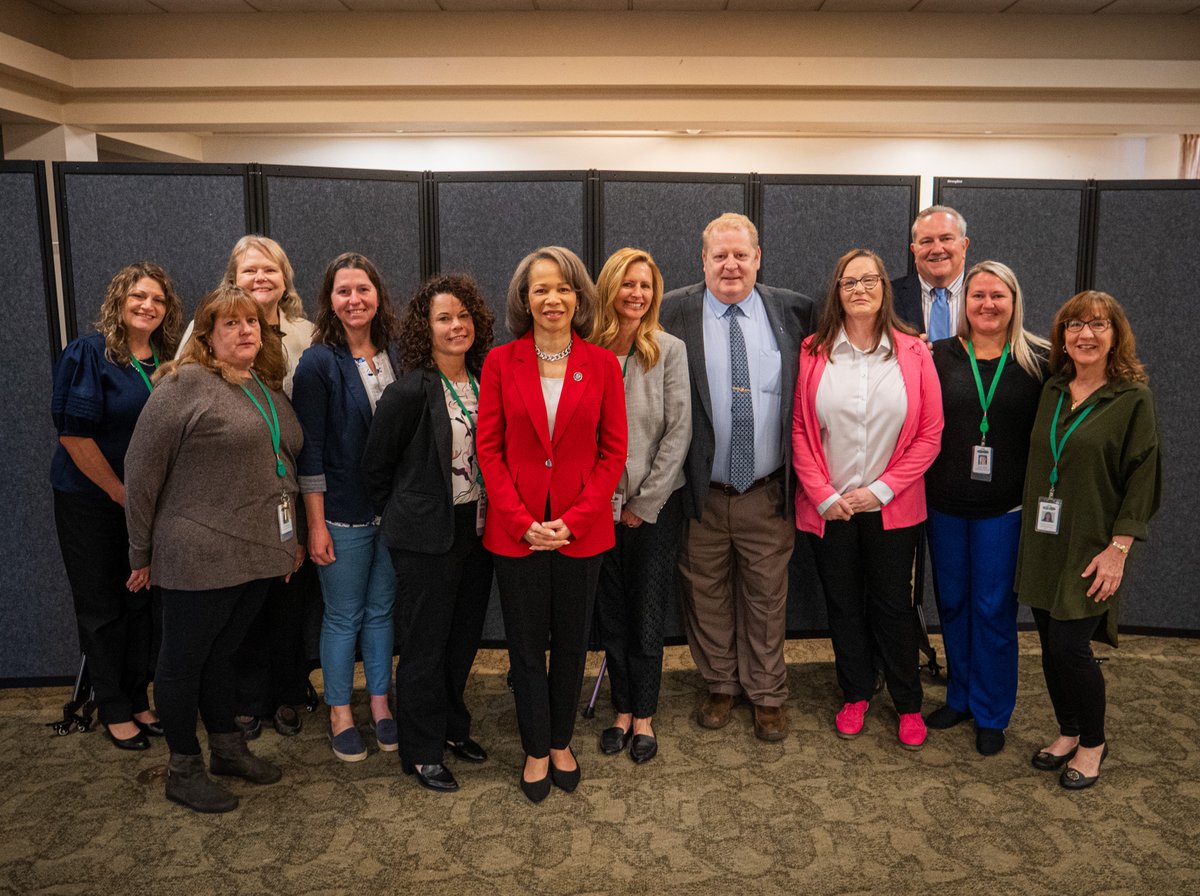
<point>137,743</point>
<point>644,748</point>
<point>1051,762</point>
<point>614,740</point>
<point>566,781</point>
<point>1073,779</point>
<point>535,791</point>
<point>151,729</point>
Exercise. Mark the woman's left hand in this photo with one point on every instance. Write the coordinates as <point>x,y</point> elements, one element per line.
<point>560,530</point>
<point>139,579</point>
<point>861,499</point>
<point>297,562</point>
<point>1109,568</point>
<point>630,519</point>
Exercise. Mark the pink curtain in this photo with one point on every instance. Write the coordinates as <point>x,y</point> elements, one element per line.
<point>1189,160</point>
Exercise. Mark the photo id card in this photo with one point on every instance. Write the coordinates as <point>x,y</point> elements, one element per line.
<point>981,463</point>
<point>1049,513</point>
<point>287,525</point>
<point>618,502</point>
<point>480,512</point>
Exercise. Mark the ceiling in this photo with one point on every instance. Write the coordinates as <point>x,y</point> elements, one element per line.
<point>1072,7</point>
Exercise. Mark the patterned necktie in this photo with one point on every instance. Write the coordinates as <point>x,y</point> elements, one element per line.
<point>741,443</point>
<point>939,315</point>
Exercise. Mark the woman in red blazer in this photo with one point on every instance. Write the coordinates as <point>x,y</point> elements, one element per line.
<point>866,426</point>
<point>551,445</point>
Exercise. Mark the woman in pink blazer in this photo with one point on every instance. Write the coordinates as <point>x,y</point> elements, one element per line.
<point>867,423</point>
<point>551,445</point>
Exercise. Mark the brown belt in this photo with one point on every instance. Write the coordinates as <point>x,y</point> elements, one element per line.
<point>729,491</point>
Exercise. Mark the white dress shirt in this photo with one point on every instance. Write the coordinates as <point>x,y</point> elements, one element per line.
<point>954,296</point>
<point>861,405</point>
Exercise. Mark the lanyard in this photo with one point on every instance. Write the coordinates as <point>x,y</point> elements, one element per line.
<point>625,366</point>
<point>1057,448</point>
<point>272,421</point>
<point>470,419</point>
<point>986,402</point>
<point>142,370</point>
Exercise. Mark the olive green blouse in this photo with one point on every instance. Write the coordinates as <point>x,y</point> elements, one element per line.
<point>1110,483</point>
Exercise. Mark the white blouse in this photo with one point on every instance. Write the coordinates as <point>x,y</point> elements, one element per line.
<point>551,392</point>
<point>376,382</point>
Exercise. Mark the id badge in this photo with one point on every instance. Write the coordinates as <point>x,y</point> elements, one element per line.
<point>981,463</point>
<point>618,501</point>
<point>1049,516</point>
<point>287,524</point>
<point>480,512</point>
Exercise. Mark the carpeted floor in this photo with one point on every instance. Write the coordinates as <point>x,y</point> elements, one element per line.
<point>717,812</point>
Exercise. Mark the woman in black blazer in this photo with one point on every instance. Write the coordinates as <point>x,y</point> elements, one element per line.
<point>422,475</point>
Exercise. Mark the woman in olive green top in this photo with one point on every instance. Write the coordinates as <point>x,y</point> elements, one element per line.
<point>1093,482</point>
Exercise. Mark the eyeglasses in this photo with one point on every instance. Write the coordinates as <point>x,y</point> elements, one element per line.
<point>1097,325</point>
<point>849,284</point>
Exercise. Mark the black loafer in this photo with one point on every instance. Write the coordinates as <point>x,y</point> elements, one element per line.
<point>138,742</point>
<point>613,740</point>
<point>1050,762</point>
<point>150,729</point>
<point>567,781</point>
<point>1073,779</point>
<point>287,721</point>
<point>432,777</point>
<point>989,741</point>
<point>644,748</point>
<point>467,749</point>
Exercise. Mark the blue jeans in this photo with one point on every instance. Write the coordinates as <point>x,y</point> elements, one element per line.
<point>359,588</point>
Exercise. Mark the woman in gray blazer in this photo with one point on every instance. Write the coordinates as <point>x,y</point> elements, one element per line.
<point>639,572</point>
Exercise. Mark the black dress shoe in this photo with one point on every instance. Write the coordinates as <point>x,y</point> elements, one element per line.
<point>644,748</point>
<point>151,729</point>
<point>432,777</point>
<point>138,742</point>
<point>535,791</point>
<point>946,717</point>
<point>467,749</point>
<point>613,740</point>
<point>989,741</point>
<point>567,781</point>
<point>1073,779</point>
<point>1051,762</point>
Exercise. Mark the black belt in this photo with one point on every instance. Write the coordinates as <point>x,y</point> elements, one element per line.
<point>729,491</point>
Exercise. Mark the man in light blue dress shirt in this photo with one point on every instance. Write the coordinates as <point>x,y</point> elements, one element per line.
<point>740,532</point>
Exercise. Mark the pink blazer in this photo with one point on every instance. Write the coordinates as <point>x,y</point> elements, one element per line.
<point>918,444</point>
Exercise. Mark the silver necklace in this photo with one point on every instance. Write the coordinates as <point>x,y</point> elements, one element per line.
<point>557,356</point>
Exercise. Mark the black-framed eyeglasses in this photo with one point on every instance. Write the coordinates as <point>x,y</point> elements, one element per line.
<point>1096,325</point>
<point>849,284</point>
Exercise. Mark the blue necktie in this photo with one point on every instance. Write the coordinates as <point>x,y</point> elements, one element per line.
<point>939,315</point>
<point>741,443</point>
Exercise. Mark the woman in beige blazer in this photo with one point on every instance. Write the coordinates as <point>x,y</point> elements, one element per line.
<point>639,572</point>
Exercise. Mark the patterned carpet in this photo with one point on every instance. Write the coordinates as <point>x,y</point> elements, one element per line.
<point>716,812</point>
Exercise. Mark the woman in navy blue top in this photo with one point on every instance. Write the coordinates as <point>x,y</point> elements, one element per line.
<point>101,383</point>
<point>337,384</point>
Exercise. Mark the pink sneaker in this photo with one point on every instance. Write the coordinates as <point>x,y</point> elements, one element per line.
<point>850,720</point>
<point>912,731</point>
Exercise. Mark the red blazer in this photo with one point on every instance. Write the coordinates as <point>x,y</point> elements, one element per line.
<point>578,469</point>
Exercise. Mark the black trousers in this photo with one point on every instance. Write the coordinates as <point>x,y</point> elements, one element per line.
<point>867,573</point>
<point>441,603</point>
<point>116,627</point>
<point>270,662</point>
<point>547,596</point>
<point>201,633</point>
<point>636,580</point>
<point>1073,676</point>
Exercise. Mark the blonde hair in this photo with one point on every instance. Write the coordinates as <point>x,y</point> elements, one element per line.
<point>608,324</point>
<point>111,322</point>
<point>731,221</point>
<point>1022,343</point>
<point>291,305</point>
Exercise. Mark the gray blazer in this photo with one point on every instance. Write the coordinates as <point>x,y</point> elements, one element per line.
<point>793,317</point>
<point>658,404</point>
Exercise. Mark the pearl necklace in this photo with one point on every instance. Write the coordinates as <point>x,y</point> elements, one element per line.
<point>557,356</point>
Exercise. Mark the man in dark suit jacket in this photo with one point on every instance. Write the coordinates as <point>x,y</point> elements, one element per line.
<point>939,248</point>
<point>740,532</point>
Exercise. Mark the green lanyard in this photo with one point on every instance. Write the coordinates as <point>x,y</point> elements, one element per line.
<point>625,366</point>
<point>142,370</point>
<point>272,421</point>
<point>986,402</point>
<point>470,418</point>
<point>1057,449</point>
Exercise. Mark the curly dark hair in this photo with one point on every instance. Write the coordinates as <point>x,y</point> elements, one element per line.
<point>328,330</point>
<point>415,343</point>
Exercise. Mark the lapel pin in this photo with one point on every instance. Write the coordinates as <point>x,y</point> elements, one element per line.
<point>578,376</point>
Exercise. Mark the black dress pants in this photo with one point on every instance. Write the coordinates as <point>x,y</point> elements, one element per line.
<point>270,663</point>
<point>201,633</point>
<point>441,603</point>
<point>1073,676</point>
<point>116,626</point>
<point>547,596</point>
<point>867,573</point>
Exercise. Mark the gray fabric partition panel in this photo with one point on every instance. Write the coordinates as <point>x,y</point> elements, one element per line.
<point>316,215</point>
<point>488,223</point>
<point>36,613</point>
<point>808,223</point>
<point>666,215</point>
<point>1146,255</point>
<point>1034,227</point>
<point>184,217</point>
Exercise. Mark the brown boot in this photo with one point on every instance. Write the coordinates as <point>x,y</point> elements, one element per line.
<point>231,756</point>
<point>769,723</point>
<point>714,710</point>
<point>188,785</point>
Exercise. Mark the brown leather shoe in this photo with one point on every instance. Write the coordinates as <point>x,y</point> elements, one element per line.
<point>769,723</point>
<point>714,710</point>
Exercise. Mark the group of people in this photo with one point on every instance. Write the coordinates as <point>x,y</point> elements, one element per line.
<point>623,445</point>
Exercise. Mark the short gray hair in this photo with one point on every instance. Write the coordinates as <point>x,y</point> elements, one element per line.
<point>939,210</point>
